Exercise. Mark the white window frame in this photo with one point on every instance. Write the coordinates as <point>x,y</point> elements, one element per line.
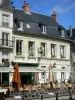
<point>27,25</point>
<point>63,76</point>
<point>44,29</point>
<point>5,20</point>
<point>19,47</point>
<point>62,33</point>
<point>0,1</point>
<point>42,75</point>
<point>43,48</point>
<point>5,39</point>
<point>62,51</point>
<point>31,49</point>
<point>5,56</point>
<point>20,24</point>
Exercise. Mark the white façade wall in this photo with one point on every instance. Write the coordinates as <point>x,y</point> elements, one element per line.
<point>6,30</point>
<point>10,18</point>
<point>48,46</point>
<point>47,60</point>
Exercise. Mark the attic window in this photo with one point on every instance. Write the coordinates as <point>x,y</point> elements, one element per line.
<point>20,25</point>
<point>62,33</point>
<point>27,25</point>
<point>43,28</point>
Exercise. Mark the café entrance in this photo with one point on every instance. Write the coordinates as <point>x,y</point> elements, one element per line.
<point>27,78</point>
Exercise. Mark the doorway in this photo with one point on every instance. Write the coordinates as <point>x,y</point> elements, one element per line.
<point>26,78</point>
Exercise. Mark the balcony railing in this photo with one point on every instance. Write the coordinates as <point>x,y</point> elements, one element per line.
<point>5,24</point>
<point>6,43</point>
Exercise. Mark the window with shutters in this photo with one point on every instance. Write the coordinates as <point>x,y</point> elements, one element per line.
<point>42,75</point>
<point>63,76</point>
<point>5,37</point>
<point>18,47</point>
<point>5,57</point>
<point>62,33</point>
<point>31,48</point>
<point>42,49</point>
<point>53,50</point>
<point>62,51</point>
<point>43,28</point>
<point>5,20</point>
<point>20,25</point>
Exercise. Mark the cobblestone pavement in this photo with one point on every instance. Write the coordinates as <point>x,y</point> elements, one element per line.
<point>52,98</point>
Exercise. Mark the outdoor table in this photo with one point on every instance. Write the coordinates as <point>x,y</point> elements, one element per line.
<point>50,93</point>
<point>3,90</point>
<point>17,97</point>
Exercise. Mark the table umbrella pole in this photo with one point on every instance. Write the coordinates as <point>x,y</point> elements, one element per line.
<point>1,78</point>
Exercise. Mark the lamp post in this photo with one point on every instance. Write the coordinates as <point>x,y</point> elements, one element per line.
<point>56,89</point>
<point>68,84</point>
<point>1,74</point>
<point>49,75</point>
<point>44,77</point>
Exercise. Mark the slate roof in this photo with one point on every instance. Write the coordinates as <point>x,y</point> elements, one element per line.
<point>52,27</point>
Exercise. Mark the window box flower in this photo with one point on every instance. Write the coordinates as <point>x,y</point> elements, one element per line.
<point>31,54</point>
<point>18,53</point>
<point>53,56</point>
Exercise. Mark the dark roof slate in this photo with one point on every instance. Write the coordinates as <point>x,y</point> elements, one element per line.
<point>52,27</point>
<point>34,18</point>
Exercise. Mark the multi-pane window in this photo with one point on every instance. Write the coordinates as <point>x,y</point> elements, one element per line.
<point>42,75</point>
<point>62,33</point>
<point>43,49</point>
<point>31,48</point>
<point>62,51</point>
<point>53,52</point>
<point>5,57</point>
<point>43,28</point>
<point>27,25</point>
<point>62,76</point>
<point>20,25</point>
<point>18,47</point>
<point>5,20</point>
<point>5,37</point>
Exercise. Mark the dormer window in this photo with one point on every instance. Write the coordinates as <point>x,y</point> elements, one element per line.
<point>43,28</point>
<point>62,33</point>
<point>27,25</point>
<point>20,25</point>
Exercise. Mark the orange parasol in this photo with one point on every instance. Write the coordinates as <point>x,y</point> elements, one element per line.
<point>16,76</point>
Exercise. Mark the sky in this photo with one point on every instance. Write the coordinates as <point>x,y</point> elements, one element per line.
<point>65,9</point>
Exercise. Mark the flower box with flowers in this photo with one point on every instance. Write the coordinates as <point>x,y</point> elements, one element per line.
<point>53,56</point>
<point>31,54</point>
<point>62,56</point>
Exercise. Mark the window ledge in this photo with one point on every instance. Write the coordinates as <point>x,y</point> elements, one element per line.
<point>20,29</point>
<point>31,57</point>
<point>5,26</point>
<point>19,56</point>
<point>44,33</point>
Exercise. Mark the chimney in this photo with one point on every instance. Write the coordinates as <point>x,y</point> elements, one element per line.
<point>70,30</point>
<point>54,16</point>
<point>26,8</point>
